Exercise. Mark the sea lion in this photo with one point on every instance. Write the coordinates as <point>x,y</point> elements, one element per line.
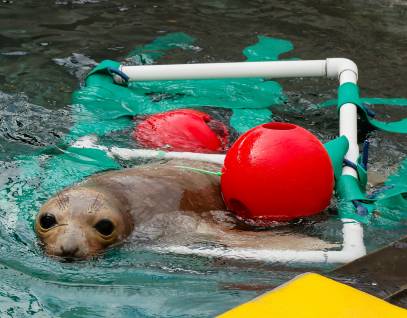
<point>82,220</point>
<point>168,199</point>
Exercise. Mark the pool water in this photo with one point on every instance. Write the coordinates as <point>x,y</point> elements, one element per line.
<point>46,48</point>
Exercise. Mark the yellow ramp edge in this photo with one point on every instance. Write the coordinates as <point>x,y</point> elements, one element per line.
<point>313,295</point>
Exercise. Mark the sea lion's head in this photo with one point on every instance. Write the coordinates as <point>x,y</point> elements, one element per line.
<point>80,222</point>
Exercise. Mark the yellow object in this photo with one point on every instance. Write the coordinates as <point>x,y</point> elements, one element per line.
<point>313,295</point>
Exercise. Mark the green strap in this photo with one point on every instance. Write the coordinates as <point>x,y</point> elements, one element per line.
<point>103,66</point>
<point>349,93</point>
<point>337,150</point>
<point>362,172</point>
<point>349,188</point>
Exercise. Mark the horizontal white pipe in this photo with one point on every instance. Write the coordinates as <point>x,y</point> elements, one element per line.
<point>269,256</point>
<point>131,154</point>
<point>128,154</point>
<point>353,248</point>
<point>331,67</point>
<point>275,69</point>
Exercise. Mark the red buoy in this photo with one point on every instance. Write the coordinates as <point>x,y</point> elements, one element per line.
<point>182,130</point>
<point>277,172</point>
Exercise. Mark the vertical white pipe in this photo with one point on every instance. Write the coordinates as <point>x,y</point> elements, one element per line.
<point>353,244</point>
<point>353,238</point>
<point>348,124</point>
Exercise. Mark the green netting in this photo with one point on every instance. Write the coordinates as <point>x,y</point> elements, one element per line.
<point>101,107</point>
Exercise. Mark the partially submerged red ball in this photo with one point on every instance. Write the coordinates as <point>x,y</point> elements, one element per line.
<point>277,172</point>
<point>182,130</point>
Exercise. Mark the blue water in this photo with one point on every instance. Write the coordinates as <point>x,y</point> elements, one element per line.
<point>47,47</point>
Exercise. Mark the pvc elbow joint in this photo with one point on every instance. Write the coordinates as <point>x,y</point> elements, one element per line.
<point>336,66</point>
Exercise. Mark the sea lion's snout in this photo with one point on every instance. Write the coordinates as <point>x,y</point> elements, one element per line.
<point>69,242</point>
<point>67,239</point>
<point>80,224</point>
<point>70,251</point>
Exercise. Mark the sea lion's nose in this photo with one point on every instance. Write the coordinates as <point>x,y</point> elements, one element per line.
<point>69,250</point>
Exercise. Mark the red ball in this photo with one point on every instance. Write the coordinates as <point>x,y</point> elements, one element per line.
<point>277,172</point>
<point>182,130</point>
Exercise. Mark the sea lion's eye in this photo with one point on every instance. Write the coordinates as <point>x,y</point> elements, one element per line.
<point>105,227</point>
<point>47,221</point>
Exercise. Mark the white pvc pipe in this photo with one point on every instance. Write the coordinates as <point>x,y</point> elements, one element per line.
<point>336,66</point>
<point>331,67</point>
<point>131,154</point>
<point>276,69</point>
<point>128,154</point>
<point>352,248</point>
<point>348,124</point>
<point>345,70</point>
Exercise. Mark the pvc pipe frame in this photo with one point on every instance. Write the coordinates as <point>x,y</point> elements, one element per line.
<point>343,69</point>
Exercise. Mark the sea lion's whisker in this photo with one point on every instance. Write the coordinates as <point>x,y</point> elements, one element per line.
<point>95,205</point>
<point>59,201</point>
<point>62,201</point>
